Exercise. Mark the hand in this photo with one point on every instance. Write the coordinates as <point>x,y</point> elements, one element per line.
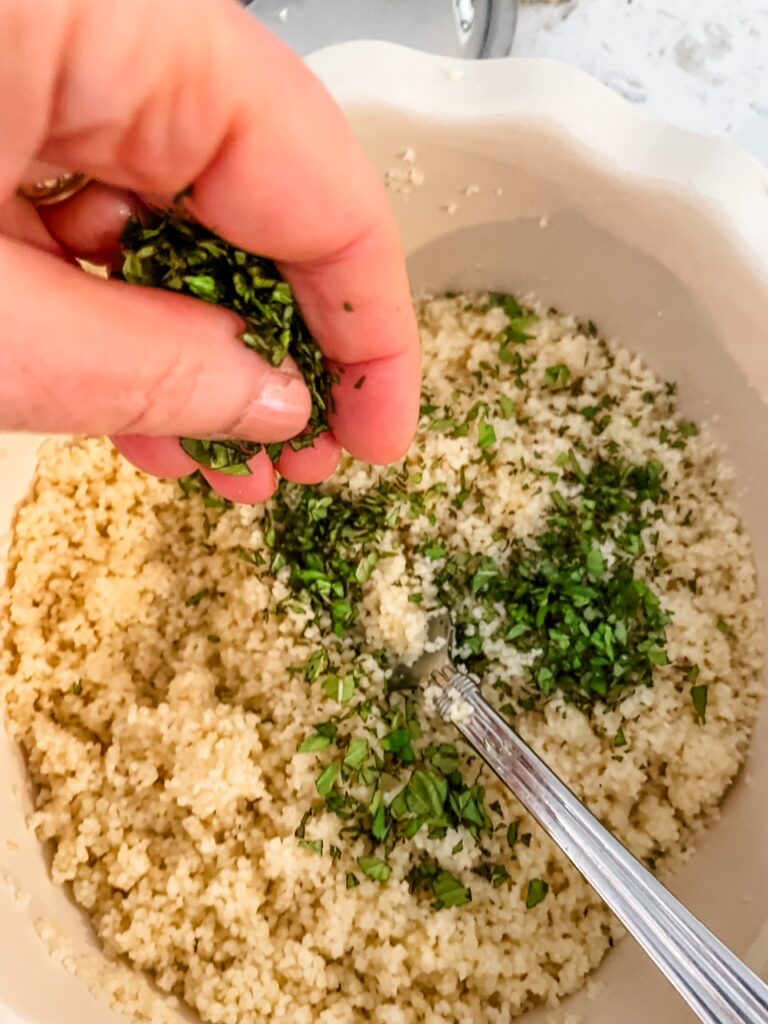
<point>150,98</point>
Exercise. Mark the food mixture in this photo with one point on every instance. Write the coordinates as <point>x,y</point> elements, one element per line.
<point>253,809</point>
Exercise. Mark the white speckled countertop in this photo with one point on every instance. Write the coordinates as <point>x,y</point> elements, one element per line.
<point>701,64</point>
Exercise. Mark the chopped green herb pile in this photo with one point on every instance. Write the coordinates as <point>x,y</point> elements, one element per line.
<point>330,544</point>
<point>595,632</point>
<point>182,256</point>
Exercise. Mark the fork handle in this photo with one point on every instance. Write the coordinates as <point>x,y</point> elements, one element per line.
<point>717,986</point>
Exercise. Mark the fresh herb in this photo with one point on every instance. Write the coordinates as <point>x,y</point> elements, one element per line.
<point>375,868</point>
<point>537,891</point>
<point>449,891</point>
<point>496,874</point>
<point>327,778</point>
<point>301,831</point>
<point>557,376</point>
<point>182,256</point>
<point>435,552</point>
<point>195,599</point>
<point>594,633</point>
<point>313,845</point>
<point>357,752</point>
<point>330,545</point>
<point>77,687</point>
<point>359,382</point>
<point>316,664</point>
<point>486,436</point>
<point>228,457</point>
<point>314,744</point>
<point>508,303</point>
<point>700,696</point>
<point>340,688</point>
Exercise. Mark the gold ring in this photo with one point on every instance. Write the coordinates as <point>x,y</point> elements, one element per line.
<point>54,190</point>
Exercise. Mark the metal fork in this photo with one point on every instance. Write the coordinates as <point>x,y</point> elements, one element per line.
<point>717,986</point>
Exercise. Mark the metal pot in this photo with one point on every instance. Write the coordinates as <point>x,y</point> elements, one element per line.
<point>452,28</point>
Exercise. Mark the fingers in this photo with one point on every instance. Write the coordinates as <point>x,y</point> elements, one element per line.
<point>260,485</point>
<point>91,223</point>
<point>311,465</point>
<point>357,304</point>
<point>21,221</point>
<point>164,457</point>
<point>384,393</point>
<point>109,358</point>
<point>160,456</point>
<point>209,97</point>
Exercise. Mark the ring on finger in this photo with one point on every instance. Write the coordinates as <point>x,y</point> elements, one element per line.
<point>54,190</point>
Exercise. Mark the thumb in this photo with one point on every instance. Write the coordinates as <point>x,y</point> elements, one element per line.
<point>82,355</point>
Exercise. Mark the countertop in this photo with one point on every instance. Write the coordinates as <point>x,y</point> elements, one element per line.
<point>701,64</point>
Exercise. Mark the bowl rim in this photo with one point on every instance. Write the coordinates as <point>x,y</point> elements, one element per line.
<point>723,181</point>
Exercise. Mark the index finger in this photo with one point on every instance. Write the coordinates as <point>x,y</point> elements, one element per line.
<point>154,98</point>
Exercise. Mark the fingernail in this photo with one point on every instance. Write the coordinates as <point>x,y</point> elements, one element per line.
<point>280,410</point>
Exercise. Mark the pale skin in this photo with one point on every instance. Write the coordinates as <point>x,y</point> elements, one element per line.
<point>150,98</point>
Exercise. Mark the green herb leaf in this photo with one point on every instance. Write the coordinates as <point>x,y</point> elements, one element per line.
<point>443,425</point>
<point>557,375</point>
<point>316,665</point>
<point>314,744</point>
<point>365,566</point>
<point>313,845</point>
<point>327,779</point>
<point>486,436</point>
<point>375,868</point>
<point>340,689</point>
<point>595,563</point>
<point>537,891</point>
<point>435,552</point>
<point>357,752</point>
<point>225,456</point>
<point>426,793</point>
<point>508,303</point>
<point>449,891</point>
<point>700,696</point>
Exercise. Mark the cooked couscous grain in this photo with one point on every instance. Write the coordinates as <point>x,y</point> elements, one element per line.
<point>160,680</point>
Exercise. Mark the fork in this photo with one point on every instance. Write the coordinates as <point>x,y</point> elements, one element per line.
<point>717,986</point>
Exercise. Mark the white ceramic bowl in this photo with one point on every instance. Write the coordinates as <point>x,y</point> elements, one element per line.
<point>659,236</point>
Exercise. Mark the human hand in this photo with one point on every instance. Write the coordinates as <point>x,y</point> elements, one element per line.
<point>149,98</point>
